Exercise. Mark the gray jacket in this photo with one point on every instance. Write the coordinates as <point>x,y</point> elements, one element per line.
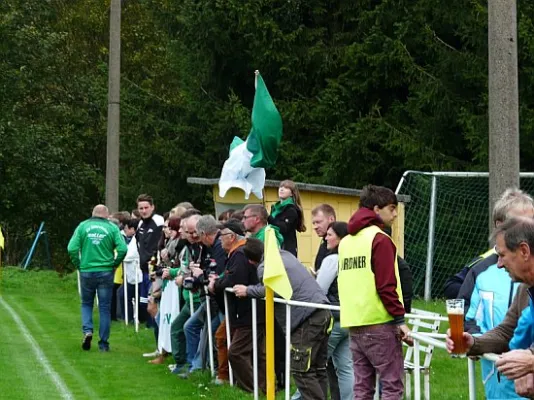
<point>304,286</point>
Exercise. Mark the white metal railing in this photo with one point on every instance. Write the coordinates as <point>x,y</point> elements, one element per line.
<point>427,337</point>
<point>418,337</point>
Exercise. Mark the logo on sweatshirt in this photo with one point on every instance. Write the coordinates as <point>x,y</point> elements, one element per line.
<point>96,237</point>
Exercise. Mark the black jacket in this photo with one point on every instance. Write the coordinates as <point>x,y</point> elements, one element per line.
<point>239,271</point>
<point>321,254</point>
<point>288,222</point>
<point>147,235</point>
<point>405,275</point>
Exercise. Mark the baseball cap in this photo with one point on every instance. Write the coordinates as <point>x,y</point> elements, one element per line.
<point>234,225</point>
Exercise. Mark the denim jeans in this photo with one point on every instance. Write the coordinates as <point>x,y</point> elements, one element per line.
<point>339,350</point>
<point>193,328</point>
<point>100,283</point>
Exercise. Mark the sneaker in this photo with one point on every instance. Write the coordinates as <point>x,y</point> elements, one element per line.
<point>171,366</point>
<point>103,349</point>
<point>178,369</point>
<point>184,375</point>
<point>86,343</point>
<point>151,355</point>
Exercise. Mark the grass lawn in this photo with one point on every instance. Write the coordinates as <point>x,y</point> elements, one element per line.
<point>49,308</point>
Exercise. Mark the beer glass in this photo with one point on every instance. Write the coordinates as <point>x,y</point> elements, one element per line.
<point>455,310</point>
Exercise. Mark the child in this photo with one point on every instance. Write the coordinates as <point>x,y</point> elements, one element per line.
<point>287,215</point>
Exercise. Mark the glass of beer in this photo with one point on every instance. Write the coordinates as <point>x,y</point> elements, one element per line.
<point>455,310</point>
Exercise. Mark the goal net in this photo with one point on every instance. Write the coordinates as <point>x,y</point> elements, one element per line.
<point>460,224</point>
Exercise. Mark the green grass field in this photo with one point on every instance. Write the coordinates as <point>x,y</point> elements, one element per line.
<point>48,306</point>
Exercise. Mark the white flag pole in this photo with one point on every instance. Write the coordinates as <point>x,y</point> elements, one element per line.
<point>125,282</point>
<point>136,319</point>
<point>79,283</point>
<point>210,334</point>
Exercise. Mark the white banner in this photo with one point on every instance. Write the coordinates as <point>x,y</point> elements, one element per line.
<point>168,311</point>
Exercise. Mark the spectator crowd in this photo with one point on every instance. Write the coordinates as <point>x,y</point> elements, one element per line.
<point>183,262</point>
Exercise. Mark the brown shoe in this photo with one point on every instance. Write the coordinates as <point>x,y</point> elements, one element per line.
<point>158,360</point>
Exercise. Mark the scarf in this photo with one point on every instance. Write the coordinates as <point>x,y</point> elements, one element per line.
<point>260,235</point>
<point>280,205</point>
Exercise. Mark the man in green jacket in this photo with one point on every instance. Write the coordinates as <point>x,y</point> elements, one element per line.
<point>96,249</point>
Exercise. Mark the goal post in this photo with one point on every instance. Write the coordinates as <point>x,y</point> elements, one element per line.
<point>446,223</point>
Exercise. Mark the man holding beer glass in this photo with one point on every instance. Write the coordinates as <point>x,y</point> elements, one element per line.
<point>514,239</point>
<point>487,294</point>
<point>515,247</point>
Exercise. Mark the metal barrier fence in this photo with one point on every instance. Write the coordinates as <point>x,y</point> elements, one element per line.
<point>430,338</point>
<point>418,337</point>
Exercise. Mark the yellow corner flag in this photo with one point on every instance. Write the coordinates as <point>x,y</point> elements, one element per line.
<point>274,273</point>
<point>1,239</point>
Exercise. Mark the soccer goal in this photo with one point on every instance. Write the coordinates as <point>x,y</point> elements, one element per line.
<point>446,223</point>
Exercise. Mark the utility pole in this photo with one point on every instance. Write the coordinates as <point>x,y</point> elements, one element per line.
<point>503,98</point>
<point>114,93</point>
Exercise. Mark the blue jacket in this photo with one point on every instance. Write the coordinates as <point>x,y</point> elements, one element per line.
<point>524,333</point>
<point>490,299</point>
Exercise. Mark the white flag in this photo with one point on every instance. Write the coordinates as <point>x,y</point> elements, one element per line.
<point>238,173</point>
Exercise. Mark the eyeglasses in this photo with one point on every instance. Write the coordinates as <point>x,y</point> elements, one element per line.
<point>248,216</point>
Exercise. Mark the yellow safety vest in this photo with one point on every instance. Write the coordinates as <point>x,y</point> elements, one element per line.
<point>359,301</point>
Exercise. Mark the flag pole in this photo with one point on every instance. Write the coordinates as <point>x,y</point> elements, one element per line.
<point>269,325</point>
<point>269,317</point>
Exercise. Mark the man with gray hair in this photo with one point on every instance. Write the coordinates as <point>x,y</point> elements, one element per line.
<point>255,218</point>
<point>488,291</point>
<point>92,251</point>
<point>239,271</point>
<point>209,235</point>
<point>515,248</point>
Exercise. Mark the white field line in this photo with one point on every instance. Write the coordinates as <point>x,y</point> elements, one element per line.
<point>66,366</point>
<point>60,385</point>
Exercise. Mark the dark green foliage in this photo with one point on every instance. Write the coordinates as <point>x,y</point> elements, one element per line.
<point>366,90</point>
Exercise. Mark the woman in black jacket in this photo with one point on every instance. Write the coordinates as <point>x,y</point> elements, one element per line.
<point>287,215</point>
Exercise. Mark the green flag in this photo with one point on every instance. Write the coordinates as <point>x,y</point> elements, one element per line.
<point>266,132</point>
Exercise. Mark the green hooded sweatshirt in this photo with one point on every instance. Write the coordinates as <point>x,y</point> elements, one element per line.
<point>93,245</point>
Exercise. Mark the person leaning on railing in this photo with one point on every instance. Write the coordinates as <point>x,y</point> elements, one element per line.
<point>515,249</point>
<point>488,291</point>
<point>310,327</point>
